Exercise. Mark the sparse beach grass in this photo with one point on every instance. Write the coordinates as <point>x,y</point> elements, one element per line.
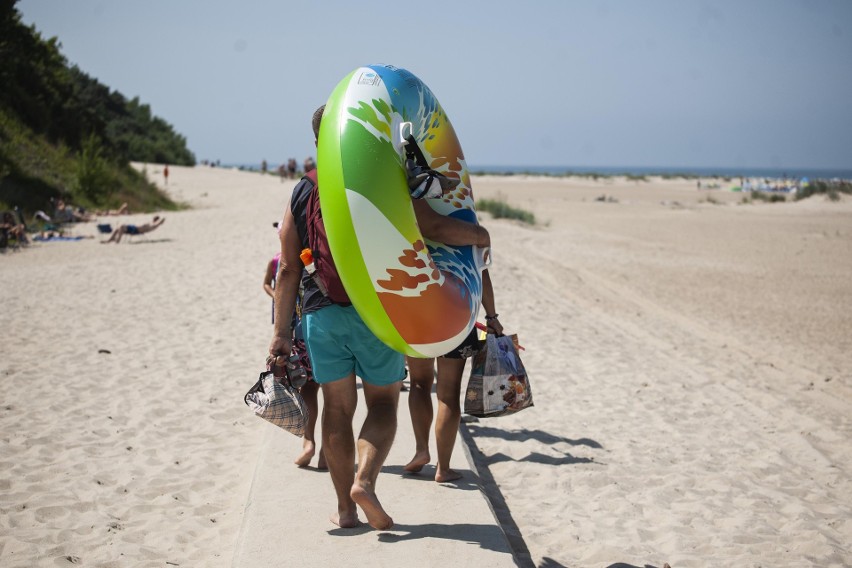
<point>502,210</point>
<point>763,196</point>
<point>832,189</point>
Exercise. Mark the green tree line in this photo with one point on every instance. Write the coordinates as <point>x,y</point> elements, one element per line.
<point>63,133</point>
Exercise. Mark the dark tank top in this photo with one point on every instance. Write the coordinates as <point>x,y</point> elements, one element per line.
<point>313,299</point>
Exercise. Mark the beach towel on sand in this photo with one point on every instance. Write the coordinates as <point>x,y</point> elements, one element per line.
<point>56,238</point>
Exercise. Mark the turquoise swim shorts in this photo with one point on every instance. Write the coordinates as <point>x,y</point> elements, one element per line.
<point>339,343</point>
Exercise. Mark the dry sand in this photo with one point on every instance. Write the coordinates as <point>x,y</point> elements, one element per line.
<point>691,366</point>
<point>690,363</point>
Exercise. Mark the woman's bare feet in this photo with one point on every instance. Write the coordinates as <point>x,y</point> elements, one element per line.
<point>418,461</point>
<point>346,520</point>
<point>308,451</point>
<point>366,498</point>
<point>444,475</point>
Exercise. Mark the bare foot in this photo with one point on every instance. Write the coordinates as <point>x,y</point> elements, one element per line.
<point>442,476</point>
<point>321,461</point>
<point>366,499</point>
<point>418,461</point>
<point>345,520</point>
<point>308,450</point>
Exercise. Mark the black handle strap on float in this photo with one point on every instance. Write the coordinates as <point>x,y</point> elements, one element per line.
<point>413,152</point>
<point>421,176</point>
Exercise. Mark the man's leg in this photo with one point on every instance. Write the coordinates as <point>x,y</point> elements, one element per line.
<point>374,443</point>
<point>112,236</point>
<point>449,415</point>
<point>422,373</point>
<point>339,401</point>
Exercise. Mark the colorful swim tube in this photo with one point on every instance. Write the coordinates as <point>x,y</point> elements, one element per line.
<point>418,296</point>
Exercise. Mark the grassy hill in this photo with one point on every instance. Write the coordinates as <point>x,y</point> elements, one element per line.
<point>33,171</point>
<point>64,134</point>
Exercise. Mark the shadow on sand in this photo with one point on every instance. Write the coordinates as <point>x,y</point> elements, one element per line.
<point>482,535</point>
<point>148,241</point>
<point>524,434</point>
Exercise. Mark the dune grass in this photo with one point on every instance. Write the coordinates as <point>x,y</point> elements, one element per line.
<point>831,188</point>
<point>502,210</point>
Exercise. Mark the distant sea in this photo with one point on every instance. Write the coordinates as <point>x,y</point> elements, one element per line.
<point>729,172</point>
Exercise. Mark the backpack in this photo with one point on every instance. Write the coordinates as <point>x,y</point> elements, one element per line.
<point>318,243</point>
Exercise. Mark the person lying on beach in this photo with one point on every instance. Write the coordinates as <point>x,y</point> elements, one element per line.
<point>450,370</point>
<point>134,230</point>
<point>123,210</point>
<point>65,213</point>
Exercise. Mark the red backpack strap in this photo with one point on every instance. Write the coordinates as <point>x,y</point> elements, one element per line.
<point>312,207</point>
<point>313,215</point>
<point>318,242</point>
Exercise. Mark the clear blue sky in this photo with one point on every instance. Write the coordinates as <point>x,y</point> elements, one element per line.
<point>758,83</point>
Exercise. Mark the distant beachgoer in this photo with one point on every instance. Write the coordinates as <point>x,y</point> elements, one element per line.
<point>291,168</point>
<point>309,164</point>
<point>282,172</point>
<point>166,173</point>
<point>65,213</point>
<point>123,210</point>
<point>134,230</point>
<point>263,167</point>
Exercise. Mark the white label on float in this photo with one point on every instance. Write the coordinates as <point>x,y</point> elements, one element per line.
<point>370,78</point>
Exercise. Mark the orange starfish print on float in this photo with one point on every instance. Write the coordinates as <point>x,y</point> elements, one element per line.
<point>418,281</point>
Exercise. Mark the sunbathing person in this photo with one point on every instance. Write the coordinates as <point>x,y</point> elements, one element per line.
<point>134,230</point>
<point>65,213</point>
<point>123,210</point>
<point>13,229</point>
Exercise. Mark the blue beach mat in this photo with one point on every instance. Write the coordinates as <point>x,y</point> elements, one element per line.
<point>48,239</point>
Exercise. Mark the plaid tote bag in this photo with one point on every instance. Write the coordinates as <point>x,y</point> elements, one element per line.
<point>275,400</point>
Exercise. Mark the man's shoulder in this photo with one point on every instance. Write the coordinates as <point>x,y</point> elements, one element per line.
<point>301,194</point>
<point>304,185</point>
<point>303,189</point>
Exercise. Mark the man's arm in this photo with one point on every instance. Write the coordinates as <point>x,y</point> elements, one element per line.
<point>447,230</point>
<point>286,287</point>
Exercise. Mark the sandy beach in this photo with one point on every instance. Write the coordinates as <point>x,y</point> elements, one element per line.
<point>689,357</point>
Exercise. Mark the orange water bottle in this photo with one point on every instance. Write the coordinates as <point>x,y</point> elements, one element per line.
<point>308,260</point>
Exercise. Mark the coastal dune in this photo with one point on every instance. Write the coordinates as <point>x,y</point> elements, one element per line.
<point>688,354</point>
